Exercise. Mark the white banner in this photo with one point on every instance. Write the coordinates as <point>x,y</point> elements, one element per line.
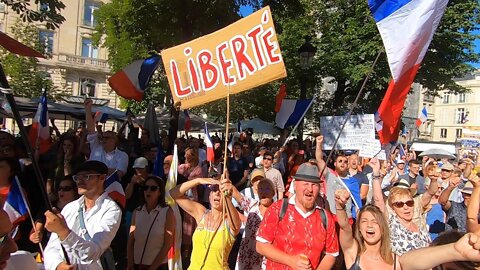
<point>359,129</point>
<point>372,148</point>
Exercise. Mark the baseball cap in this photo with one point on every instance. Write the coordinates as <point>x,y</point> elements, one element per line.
<point>307,172</point>
<point>257,173</point>
<point>403,183</point>
<point>400,161</point>
<point>468,188</point>
<point>447,166</point>
<point>92,165</point>
<point>140,163</point>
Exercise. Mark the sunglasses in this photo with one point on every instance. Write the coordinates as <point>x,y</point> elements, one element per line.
<point>267,158</point>
<point>214,188</point>
<point>151,188</point>
<point>65,188</point>
<point>84,177</point>
<point>401,204</point>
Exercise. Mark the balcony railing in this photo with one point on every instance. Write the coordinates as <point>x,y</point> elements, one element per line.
<point>86,61</point>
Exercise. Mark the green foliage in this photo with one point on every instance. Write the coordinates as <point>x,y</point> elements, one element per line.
<point>49,14</point>
<point>25,77</point>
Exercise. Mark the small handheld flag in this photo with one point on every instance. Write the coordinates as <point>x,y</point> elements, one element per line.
<point>422,117</point>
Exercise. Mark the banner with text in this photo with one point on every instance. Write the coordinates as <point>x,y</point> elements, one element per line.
<point>371,149</point>
<point>359,128</point>
<point>238,57</point>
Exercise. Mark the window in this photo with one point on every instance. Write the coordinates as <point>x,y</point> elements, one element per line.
<point>2,7</point>
<point>87,87</point>
<point>460,116</point>
<point>88,13</point>
<point>443,133</point>
<point>88,50</point>
<point>45,39</point>
<point>458,133</point>
<point>462,98</point>
<point>446,98</point>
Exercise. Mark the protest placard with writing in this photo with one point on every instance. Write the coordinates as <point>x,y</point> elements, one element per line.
<point>372,148</point>
<point>359,128</point>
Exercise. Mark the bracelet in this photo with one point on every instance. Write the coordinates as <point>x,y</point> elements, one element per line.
<point>377,176</point>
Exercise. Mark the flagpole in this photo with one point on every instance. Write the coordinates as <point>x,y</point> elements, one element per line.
<point>299,121</point>
<point>347,117</point>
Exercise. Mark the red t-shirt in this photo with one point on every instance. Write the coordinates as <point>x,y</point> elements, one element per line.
<point>298,233</point>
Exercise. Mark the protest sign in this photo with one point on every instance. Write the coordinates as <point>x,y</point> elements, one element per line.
<point>359,128</point>
<point>372,148</point>
<point>236,58</point>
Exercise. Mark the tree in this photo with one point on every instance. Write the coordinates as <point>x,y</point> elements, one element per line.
<point>25,76</point>
<point>48,13</point>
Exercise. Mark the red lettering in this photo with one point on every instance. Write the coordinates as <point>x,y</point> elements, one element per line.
<point>270,47</point>
<point>208,71</point>
<point>243,61</point>
<point>177,85</point>
<point>253,36</point>
<point>225,65</point>
<point>192,70</point>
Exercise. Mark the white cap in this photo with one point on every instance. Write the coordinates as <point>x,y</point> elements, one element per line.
<point>140,162</point>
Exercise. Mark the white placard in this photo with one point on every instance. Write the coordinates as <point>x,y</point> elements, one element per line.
<point>358,129</point>
<point>372,148</point>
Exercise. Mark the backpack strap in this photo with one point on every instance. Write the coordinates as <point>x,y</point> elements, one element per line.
<point>82,223</point>
<point>283,210</point>
<point>323,215</point>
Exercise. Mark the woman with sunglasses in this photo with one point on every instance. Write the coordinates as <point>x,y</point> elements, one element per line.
<point>152,229</point>
<point>407,232</point>
<point>216,229</point>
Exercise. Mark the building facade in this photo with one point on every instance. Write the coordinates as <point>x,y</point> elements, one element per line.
<point>76,66</point>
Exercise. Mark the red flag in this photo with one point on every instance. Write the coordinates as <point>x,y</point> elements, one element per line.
<point>282,93</point>
<point>17,47</point>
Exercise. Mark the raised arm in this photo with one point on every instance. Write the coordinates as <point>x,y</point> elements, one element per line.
<point>89,117</point>
<point>473,207</point>
<point>193,208</point>
<point>432,189</point>
<point>445,195</point>
<point>347,243</point>
<point>465,249</point>
<point>376,185</point>
<point>233,216</point>
<point>319,154</point>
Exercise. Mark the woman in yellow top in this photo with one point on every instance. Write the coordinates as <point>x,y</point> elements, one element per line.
<point>216,230</point>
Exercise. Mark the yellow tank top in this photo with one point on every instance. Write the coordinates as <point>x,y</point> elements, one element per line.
<point>217,257</point>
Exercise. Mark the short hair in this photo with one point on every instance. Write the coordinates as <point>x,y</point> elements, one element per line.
<point>236,144</point>
<point>268,154</point>
<point>339,154</point>
<point>396,192</point>
<point>413,161</point>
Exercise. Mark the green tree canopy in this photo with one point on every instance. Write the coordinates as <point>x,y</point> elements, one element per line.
<point>48,13</point>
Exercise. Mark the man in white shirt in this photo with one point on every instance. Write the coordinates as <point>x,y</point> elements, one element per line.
<point>104,149</point>
<point>101,217</point>
<point>273,174</point>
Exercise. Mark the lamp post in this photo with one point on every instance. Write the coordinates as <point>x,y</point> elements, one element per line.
<point>306,53</point>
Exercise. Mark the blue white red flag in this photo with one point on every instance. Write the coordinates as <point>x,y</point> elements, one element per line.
<point>16,206</point>
<point>407,28</point>
<point>173,256</point>
<point>114,189</point>
<point>39,133</point>
<point>208,143</point>
<point>158,164</point>
<point>422,117</point>
<point>101,117</point>
<point>292,111</point>
<point>187,126</point>
<point>132,81</point>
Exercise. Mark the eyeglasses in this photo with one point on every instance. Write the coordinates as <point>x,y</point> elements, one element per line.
<point>83,177</point>
<point>214,188</point>
<point>267,158</point>
<point>65,188</point>
<point>444,170</point>
<point>151,188</point>
<point>401,204</point>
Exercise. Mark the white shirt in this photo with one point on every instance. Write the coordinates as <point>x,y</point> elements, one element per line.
<point>101,221</point>
<point>117,159</point>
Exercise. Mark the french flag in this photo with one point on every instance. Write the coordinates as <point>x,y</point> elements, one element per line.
<point>187,126</point>
<point>422,117</point>
<point>208,142</point>
<point>40,130</point>
<point>16,206</point>
<point>114,189</point>
<point>132,81</point>
<point>292,112</point>
<point>282,94</point>
<point>101,117</point>
<point>407,28</point>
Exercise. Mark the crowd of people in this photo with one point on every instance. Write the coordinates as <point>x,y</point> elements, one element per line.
<point>274,207</point>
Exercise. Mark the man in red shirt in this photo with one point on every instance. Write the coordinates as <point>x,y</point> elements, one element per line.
<point>297,240</point>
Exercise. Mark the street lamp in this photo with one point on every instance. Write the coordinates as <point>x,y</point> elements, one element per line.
<point>306,53</point>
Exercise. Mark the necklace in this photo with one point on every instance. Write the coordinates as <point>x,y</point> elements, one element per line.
<point>211,227</point>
